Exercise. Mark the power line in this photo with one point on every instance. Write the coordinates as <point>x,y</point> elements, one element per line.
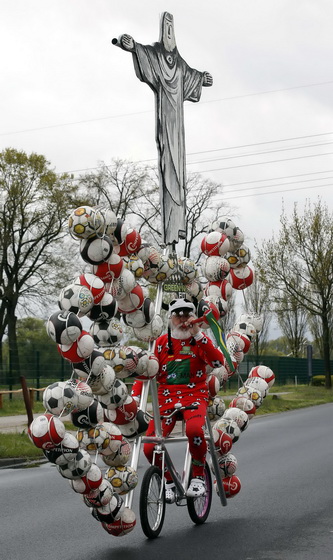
<point>274,192</point>
<point>85,121</point>
<point>279,178</point>
<point>278,184</point>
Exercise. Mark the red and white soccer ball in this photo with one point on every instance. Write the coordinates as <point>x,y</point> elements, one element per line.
<point>245,404</point>
<point>241,278</point>
<point>213,386</point>
<point>46,431</point>
<point>130,244</point>
<point>124,413</point>
<point>89,482</point>
<point>110,269</point>
<point>264,372</point>
<point>231,485</point>
<point>215,243</point>
<point>258,384</point>
<point>79,350</point>
<point>122,526</point>
<point>133,301</point>
<point>222,440</point>
<point>216,268</point>
<point>140,316</point>
<point>93,283</point>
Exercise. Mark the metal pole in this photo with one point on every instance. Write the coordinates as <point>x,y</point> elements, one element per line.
<point>26,399</point>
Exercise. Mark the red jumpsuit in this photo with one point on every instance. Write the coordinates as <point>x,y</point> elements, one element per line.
<point>182,379</point>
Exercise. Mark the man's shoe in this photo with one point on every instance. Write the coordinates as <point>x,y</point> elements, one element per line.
<point>170,493</point>
<point>196,488</point>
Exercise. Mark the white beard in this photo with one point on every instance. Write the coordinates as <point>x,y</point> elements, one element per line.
<point>179,333</point>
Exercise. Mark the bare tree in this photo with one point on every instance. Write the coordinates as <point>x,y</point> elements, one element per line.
<point>257,301</point>
<point>292,318</point>
<point>299,265</point>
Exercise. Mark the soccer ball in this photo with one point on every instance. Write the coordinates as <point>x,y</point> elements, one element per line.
<point>240,340</point>
<point>122,526</point>
<point>93,439</point>
<point>225,225</point>
<point>194,289</point>
<point>239,258</point>
<point>111,511</point>
<point>82,348</point>
<point>231,485</point>
<point>110,269</point>
<point>76,298</point>
<point>110,220</point>
<point>93,365</point>
<point>236,240</point>
<point>131,243</point>
<point>213,386</point>
<point>106,333</point>
<point>46,431</point>
<point>105,310</point>
<point>100,496</point>
<point>227,465</point>
<point>230,427</point>
<point>245,404</point>
<point>264,372</point>
<point>77,467</point>
<point>241,278</point>
<point>252,318</point>
<point>88,417</point>
<point>64,452</point>
<point>60,398</point>
<point>91,481</point>
<point>119,457</point>
<point>135,265</point>
<point>96,249</point>
<point>164,269</point>
<point>216,268</point>
<point>215,243</point>
<point>84,393</point>
<point>258,384</point>
<point>132,301</point>
<point>103,383</point>
<point>239,416</point>
<point>94,284</point>
<point>85,222</point>
<point>150,331</point>
<point>187,269</point>
<point>149,256</point>
<point>222,440</point>
<point>123,285</point>
<point>140,317</point>
<point>252,394</point>
<point>123,360</point>
<point>245,328</point>
<point>116,397</point>
<point>216,408</point>
<point>124,413</point>
<point>64,327</point>
<point>122,479</point>
<point>119,232</point>
<point>221,374</point>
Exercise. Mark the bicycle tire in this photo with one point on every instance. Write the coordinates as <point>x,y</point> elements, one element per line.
<point>152,502</point>
<point>199,508</point>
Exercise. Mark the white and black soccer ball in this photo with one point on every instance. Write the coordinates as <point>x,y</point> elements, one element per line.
<point>135,265</point>
<point>151,331</point>
<point>240,257</point>
<point>216,408</point>
<point>60,398</point>
<point>106,333</point>
<point>252,394</point>
<point>85,222</point>
<point>64,327</point>
<point>140,317</point>
<point>239,416</point>
<point>88,417</point>
<point>76,298</point>
<point>96,249</point>
<point>77,467</point>
<point>102,383</point>
<point>123,360</point>
<point>93,439</point>
<point>122,285</point>
<point>101,496</point>
<point>105,310</point>
<point>259,384</point>
<point>122,479</point>
<point>253,318</point>
<point>111,511</point>
<point>91,366</point>
<point>116,397</point>
<point>119,457</point>
<point>227,465</point>
<point>237,239</point>
<point>229,427</point>
<point>224,224</point>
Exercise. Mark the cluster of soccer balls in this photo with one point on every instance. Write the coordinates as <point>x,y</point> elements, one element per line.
<point>234,420</point>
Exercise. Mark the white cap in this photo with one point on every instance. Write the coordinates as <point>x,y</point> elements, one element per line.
<point>181,305</point>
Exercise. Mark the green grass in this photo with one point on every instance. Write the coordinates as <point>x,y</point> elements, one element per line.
<point>18,445</point>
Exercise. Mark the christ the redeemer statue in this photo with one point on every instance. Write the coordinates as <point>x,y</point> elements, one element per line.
<point>173,82</point>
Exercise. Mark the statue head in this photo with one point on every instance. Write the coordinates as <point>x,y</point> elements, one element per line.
<point>167,32</point>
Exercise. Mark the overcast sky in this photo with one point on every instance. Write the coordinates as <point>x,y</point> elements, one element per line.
<point>264,130</point>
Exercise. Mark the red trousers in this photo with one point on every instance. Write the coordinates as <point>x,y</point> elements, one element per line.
<point>194,424</point>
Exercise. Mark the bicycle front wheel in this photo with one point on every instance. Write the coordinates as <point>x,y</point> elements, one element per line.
<point>152,502</point>
<point>199,508</point>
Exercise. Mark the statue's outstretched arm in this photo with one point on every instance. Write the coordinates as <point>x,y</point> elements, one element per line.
<point>207,79</point>
<point>125,42</point>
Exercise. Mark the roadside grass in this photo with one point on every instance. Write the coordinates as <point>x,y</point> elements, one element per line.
<point>281,399</point>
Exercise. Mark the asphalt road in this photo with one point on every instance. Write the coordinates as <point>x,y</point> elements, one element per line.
<point>283,512</point>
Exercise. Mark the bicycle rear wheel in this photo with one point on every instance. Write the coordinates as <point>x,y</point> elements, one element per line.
<point>152,502</point>
<point>199,508</point>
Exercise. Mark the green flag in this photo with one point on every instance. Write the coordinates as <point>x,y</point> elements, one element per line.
<point>218,334</point>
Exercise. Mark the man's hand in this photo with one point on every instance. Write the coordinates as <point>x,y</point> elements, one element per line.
<point>193,329</point>
<point>207,79</point>
<point>127,42</point>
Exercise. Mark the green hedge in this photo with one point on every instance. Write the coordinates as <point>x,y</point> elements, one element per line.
<point>319,380</point>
